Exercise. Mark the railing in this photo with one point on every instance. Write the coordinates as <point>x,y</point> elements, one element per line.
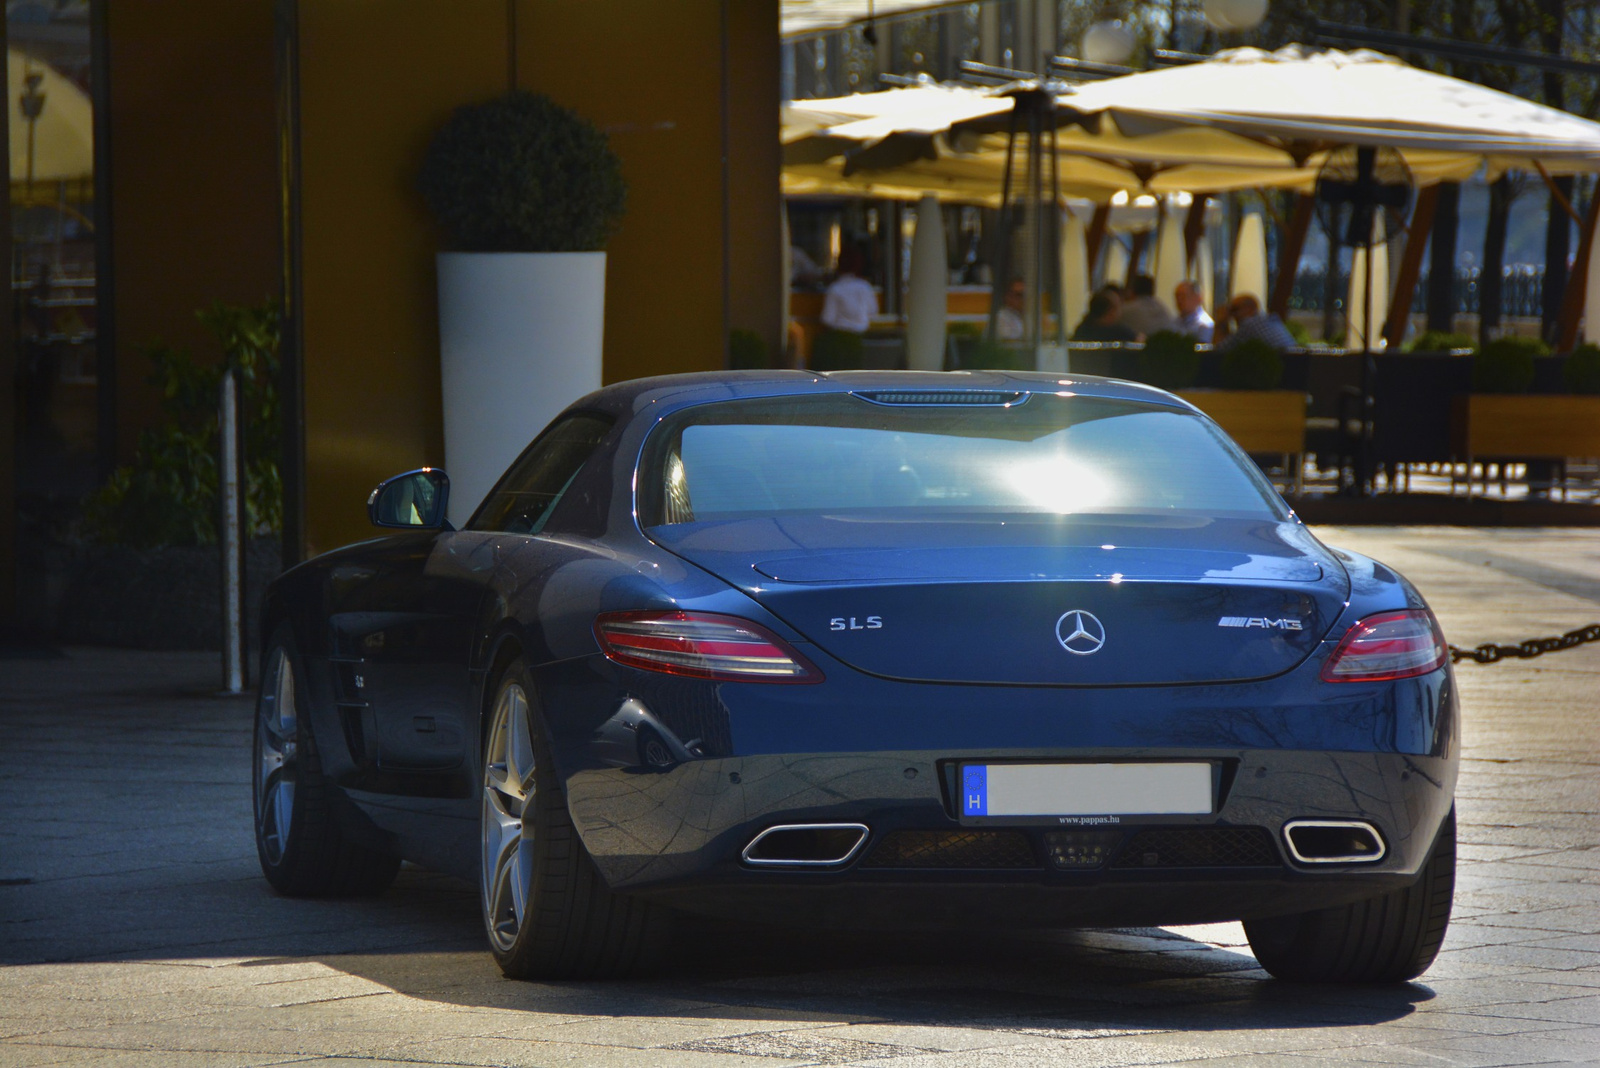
<point>1521,296</point>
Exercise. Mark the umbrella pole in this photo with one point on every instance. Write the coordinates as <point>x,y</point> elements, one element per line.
<point>1055,244</point>
<point>1036,195</point>
<point>1364,471</point>
<point>1002,264</point>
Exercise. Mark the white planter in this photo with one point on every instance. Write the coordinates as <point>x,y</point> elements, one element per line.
<point>519,339</point>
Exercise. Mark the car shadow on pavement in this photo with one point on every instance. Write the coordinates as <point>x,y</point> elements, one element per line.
<point>1088,983</point>
<point>423,939</point>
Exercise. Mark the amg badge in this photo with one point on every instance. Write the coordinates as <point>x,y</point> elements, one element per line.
<point>1256,621</point>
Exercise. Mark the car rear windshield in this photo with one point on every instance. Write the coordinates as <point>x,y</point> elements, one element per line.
<point>1049,454</point>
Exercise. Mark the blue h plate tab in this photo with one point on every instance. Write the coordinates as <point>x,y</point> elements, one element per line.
<point>974,790</point>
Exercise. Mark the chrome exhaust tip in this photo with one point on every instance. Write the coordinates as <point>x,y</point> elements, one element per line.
<point>793,845</point>
<point>1334,842</point>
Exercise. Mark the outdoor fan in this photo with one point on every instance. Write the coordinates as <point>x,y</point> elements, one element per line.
<point>1362,195</point>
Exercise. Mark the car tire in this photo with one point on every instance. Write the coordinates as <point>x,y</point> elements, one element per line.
<point>546,908</point>
<point>1387,939</point>
<point>304,851</point>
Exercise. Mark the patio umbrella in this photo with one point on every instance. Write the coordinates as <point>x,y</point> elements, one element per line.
<point>1116,270</point>
<point>1170,266</point>
<point>1357,319</point>
<point>952,141</point>
<point>1591,298</point>
<point>1249,274</point>
<point>1205,273</point>
<point>1075,272</point>
<point>926,291</point>
<point>57,145</point>
<point>1304,102</point>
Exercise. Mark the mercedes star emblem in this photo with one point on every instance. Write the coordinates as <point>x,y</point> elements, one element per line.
<point>1080,632</point>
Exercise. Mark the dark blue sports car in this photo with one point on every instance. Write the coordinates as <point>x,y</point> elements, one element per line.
<point>868,648</point>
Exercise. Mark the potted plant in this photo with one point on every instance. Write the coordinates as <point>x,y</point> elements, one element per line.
<point>1258,415</point>
<point>1502,419</point>
<point>1169,360</point>
<point>526,194</point>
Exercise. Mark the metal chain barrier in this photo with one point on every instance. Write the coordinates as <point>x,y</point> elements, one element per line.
<point>1489,652</point>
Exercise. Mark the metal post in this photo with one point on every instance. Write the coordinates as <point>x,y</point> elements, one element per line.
<point>1000,274</point>
<point>230,499</point>
<point>1364,475</point>
<point>1041,222</point>
<point>1060,288</point>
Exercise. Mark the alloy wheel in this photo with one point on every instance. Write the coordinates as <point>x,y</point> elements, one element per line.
<point>508,794</point>
<point>276,734</point>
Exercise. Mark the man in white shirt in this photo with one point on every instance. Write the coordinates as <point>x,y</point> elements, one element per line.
<point>1192,317</point>
<point>1009,324</point>
<point>850,302</point>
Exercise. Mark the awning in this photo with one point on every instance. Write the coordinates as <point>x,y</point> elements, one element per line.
<point>1244,119</point>
<point>798,18</point>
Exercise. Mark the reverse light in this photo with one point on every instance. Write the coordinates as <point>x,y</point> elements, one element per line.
<point>701,645</point>
<point>1389,645</point>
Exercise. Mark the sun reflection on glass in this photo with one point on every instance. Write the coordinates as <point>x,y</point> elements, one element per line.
<point>1058,484</point>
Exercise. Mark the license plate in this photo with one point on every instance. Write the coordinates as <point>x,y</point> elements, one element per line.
<point>1085,789</point>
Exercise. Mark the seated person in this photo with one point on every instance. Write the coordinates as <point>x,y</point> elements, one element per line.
<point>1009,325</point>
<point>1253,323</point>
<point>1143,313</point>
<point>850,302</point>
<point>1192,318</point>
<point>1100,322</point>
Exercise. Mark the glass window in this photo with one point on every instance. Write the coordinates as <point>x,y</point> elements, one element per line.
<point>60,440</point>
<point>526,495</point>
<point>1045,454</point>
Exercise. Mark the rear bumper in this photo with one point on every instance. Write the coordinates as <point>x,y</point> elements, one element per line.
<point>676,833</point>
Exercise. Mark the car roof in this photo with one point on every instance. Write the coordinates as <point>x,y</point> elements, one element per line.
<point>674,391</point>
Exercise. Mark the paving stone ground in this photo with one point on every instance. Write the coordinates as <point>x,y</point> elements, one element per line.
<point>135,929</point>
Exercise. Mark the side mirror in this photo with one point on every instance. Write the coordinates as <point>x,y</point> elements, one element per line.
<point>413,501</point>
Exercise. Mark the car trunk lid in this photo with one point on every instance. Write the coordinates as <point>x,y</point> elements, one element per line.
<point>1102,600</point>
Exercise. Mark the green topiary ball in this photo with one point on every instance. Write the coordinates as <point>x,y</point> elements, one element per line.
<point>1169,360</point>
<point>746,350</point>
<point>521,173</point>
<point>838,350</point>
<point>989,355</point>
<point>1580,373</point>
<point>1441,341</point>
<point>1505,365</point>
<point>1251,364</point>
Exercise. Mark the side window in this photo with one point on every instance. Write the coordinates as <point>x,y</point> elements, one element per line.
<point>526,495</point>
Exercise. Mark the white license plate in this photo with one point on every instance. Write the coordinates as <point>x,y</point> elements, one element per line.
<point>1085,789</point>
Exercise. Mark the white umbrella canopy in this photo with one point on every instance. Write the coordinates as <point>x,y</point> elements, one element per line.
<point>1116,266</point>
<point>1357,319</point>
<point>1205,273</point>
<point>1074,266</point>
<point>951,141</point>
<point>1591,297</point>
<point>1305,102</point>
<point>926,291</point>
<point>1243,119</point>
<point>1170,266</point>
<point>1249,274</point>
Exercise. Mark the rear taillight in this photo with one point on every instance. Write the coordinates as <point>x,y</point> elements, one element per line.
<point>702,646</point>
<point>1389,645</point>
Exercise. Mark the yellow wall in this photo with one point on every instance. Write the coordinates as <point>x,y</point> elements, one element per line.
<point>373,88</point>
<point>755,164</point>
<point>650,75</point>
<point>375,82</point>
<point>194,178</point>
